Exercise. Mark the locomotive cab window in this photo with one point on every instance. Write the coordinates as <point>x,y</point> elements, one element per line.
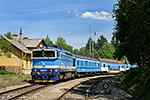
<point>49,53</point>
<point>37,54</point>
<point>43,53</point>
<point>82,63</point>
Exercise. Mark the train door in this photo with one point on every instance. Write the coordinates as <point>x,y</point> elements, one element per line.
<point>108,68</point>
<point>119,69</point>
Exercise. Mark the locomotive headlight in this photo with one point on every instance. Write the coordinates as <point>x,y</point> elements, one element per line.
<point>33,73</point>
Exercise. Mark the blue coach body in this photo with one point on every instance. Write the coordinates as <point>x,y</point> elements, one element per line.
<point>86,64</point>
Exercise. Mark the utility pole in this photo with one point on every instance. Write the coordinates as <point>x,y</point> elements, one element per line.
<point>90,38</point>
<point>93,44</point>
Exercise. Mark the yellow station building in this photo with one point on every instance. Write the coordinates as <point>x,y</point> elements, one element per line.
<point>20,60</point>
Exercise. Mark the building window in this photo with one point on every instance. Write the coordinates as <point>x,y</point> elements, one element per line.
<point>30,64</point>
<point>82,63</point>
<point>26,64</point>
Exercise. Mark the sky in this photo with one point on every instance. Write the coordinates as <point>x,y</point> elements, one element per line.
<point>70,19</point>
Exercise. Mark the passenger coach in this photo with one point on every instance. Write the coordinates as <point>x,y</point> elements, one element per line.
<point>87,65</point>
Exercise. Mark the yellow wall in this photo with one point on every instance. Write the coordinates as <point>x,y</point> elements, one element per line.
<point>9,61</point>
<point>18,59</point>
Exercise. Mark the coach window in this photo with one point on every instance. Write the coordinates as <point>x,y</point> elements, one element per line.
<point>122,66</point>
<point>104,65</point>
<point>95,63</point>
<point>86,63</point>
<point>82,63</point>
<point>99,65</point>
<point>127,66</point>
<point>90,64</point>
<point>77,63</point>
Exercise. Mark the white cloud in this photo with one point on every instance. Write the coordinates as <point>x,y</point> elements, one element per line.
<point>97,15</point>
<point>75,11</point>
<point>68,12</point>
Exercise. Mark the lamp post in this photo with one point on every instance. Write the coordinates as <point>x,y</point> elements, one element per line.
<point>93,44</point>
<point>90,38</point>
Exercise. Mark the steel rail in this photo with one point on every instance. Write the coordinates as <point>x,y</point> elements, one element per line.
<point>22,94</point>
<point>17,89</point>
<point>89,89</point>
<point>76,86</point>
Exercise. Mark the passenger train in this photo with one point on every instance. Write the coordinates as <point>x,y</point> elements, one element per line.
<point>51,64</point>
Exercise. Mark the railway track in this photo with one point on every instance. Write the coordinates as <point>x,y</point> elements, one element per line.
<point>85,88</point>
<point>62,89</point>
<point>19,92</point>
<point>57,91</point>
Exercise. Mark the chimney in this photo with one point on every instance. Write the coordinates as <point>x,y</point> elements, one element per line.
<point>15,37</point>
<point>25,38</point>
<point>20,35</point>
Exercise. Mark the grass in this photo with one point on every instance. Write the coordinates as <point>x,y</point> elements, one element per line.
<point>136,81</point>
<point>11,79</point>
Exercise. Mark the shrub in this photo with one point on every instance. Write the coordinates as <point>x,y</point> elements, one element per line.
<point>4,72</point>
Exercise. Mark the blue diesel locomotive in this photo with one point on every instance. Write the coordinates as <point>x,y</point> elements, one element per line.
<point>51,64</point>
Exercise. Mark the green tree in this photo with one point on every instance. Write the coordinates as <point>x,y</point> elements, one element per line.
<point>61,43</point>
<point>8,35</point>
<point>101,40</point>
<point>5,46</point>
<point>75,51</point>
<point>88,44</point>
<point>107,51</point>
<point>132,30</point>
<point>48,41</point>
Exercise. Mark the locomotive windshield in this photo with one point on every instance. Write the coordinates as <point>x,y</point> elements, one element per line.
<point>43,53</point>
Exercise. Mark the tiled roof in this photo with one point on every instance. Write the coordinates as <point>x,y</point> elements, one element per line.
<point>19,45</point>
<point>30,43</point>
